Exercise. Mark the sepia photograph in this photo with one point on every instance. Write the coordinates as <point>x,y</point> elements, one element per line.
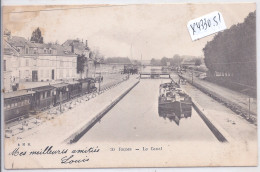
<point>137,85</point>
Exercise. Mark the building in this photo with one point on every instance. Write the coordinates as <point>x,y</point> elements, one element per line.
<point>26,62</point>
<point>10,67</point>
<point>78,47</point>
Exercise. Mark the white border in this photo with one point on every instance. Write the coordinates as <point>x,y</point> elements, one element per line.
<point>77,2</point>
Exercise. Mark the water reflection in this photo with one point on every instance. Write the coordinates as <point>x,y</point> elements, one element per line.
<point>174,114</point>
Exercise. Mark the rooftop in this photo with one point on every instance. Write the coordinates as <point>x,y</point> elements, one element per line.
<point>17,93</point>
<point>18,41</point>
<point>9,50</point>
<point>62,50</point>
<point>59,85</point>
<point>31,85</point>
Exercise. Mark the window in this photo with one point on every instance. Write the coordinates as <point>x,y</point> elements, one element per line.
<point>73,63</point>
<point>61,74</point>
<point>26,50</point>
<point>27,62</point>
<point>4,65</point>
<point>67,73</point>
<point>27,73</point>
<point>15,62</point>
<point>48,93</point>
<point>34,51</point>
<point>61,63</point>
<point>41,73</point>
<point>46,73</point>
<point>71,72</point>
<point>34,62</point>
<point>45,51</point>
<point>50,51</point>
<point>39,62</point>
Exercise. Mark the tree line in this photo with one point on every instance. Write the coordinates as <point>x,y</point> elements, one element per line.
<point>232,53</point>
<point>176,60</point>
<point>123,60</point>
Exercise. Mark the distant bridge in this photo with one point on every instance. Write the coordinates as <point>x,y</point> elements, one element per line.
<point>154,75</point>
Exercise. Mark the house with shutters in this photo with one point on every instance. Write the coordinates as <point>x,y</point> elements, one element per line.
<point>10,68</point>
<point>27,62</point>
<point>81,48</point>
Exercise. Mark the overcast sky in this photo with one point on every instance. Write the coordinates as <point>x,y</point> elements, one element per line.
<point>153,30</point>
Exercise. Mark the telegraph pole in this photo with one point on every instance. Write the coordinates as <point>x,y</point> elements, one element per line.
<point>141,63</point>
<point>99,81</point>
<point>249,108</point>
<point>60,101</point>
<point>131,51</point>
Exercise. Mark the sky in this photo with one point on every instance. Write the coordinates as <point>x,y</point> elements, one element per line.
<point>153,31</point>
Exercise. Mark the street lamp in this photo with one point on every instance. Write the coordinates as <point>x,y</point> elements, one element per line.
<point>249,108</point>
<point>61,98</point>
<point>99,80</point>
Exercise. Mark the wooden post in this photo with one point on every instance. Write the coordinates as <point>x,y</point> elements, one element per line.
<point>99,82</point>
<point>60,101</point>
<point>249,109</point>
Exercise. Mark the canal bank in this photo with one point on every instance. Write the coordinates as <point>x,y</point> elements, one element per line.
<point>90,122</point>
<point>235,101</point>
<point>220,119</point>
<point>136,118</point>
<point>61,127</point>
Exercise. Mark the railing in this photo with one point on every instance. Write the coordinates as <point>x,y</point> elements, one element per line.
<point>235,107</point>
<point>50,112</point>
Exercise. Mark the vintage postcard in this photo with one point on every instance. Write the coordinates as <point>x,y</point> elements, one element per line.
<point>152,85</point>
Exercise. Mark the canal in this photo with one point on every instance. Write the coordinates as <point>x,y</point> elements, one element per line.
<point>136,118</point>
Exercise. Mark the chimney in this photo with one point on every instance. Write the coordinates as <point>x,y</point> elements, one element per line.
<point>86,43</point>
<point>7,35</point>
<point>72,48</point>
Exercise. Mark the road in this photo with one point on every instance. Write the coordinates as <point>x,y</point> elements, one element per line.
<point>238,128</point>
<point>232,96</point>
<point>136,118</point>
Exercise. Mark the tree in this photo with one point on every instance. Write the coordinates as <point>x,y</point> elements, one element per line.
<point>155,62</point>
<point>176,60</point>
<point>81,59</point>
<point>97,57</point>
<point>37,36</point>
<point>233,52</point>
<point>197,62</point>
<point>122,60</point>
<point>164,61</point>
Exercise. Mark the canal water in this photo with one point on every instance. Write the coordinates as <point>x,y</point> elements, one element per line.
<point>136,118</point>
